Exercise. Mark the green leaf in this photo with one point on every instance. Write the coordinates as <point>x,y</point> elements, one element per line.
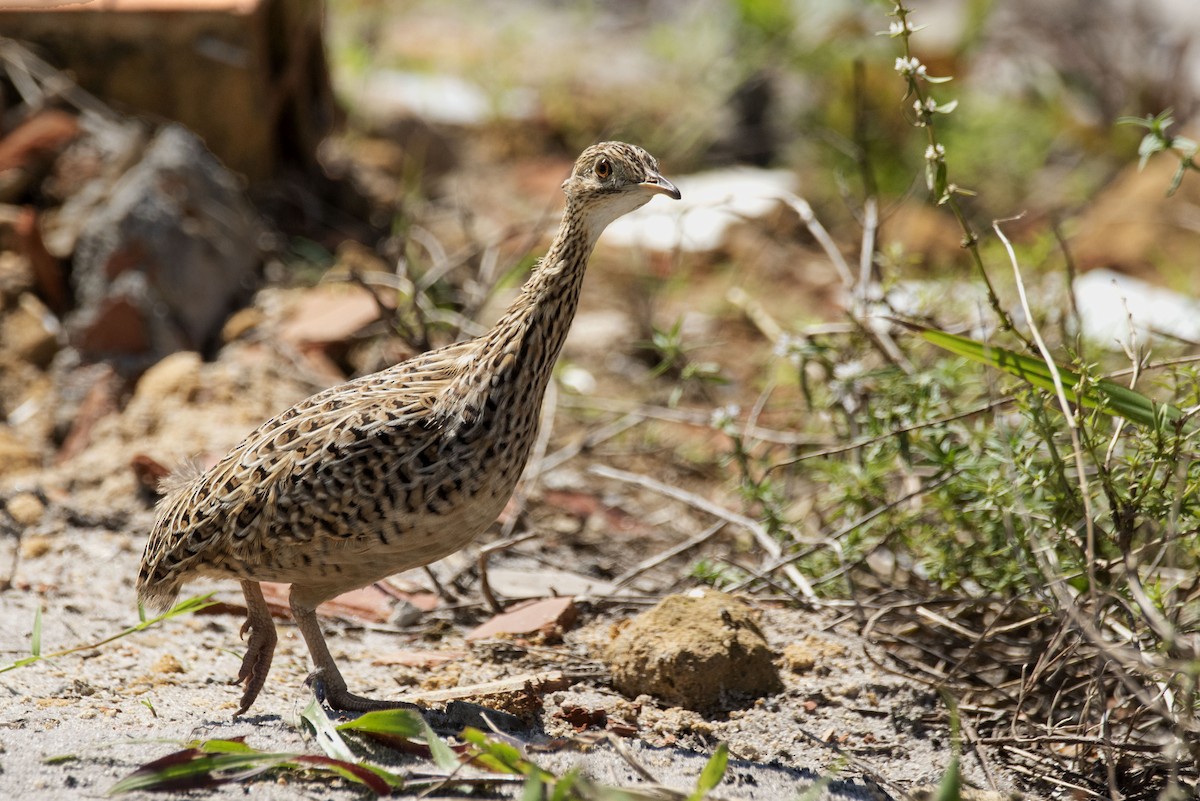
<point>194,768</point>
<point>533,789</point>
<point>212,762</point>
<point>563,787</point>
<point>712,774</point>
<point>443,755</point>
<point>1109,397</point>
<point>237,746</point>
<point>393,722</point>
<point>325,732</point>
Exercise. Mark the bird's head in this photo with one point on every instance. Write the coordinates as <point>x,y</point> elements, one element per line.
<point>611,179</point>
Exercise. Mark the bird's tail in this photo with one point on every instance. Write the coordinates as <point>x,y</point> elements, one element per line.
<point>156,591</point>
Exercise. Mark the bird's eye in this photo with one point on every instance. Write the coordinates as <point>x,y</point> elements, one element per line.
<point>603,169</point>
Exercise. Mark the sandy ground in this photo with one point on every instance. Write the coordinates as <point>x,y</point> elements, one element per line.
<point>73,726</point>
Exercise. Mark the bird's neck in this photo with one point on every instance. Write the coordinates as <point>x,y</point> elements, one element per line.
<point>536,324</point>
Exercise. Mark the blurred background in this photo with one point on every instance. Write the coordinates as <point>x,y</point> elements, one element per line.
<point>210,209</point>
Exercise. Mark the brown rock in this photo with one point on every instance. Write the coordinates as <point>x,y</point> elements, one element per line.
<point>167,663</point>
<point>240,323</point>
<point>178,375</point>
<point>25,508</point>
<point>30,331</point>
<point>803,656</point>
<point>16,455</point>
<point>700,652</point>
<point>924,232</point>
<point>36,546</point>
<point>16,276</point>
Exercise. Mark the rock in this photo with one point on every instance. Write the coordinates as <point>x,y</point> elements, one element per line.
<point>27,151</point>
<point>25,508</point>
<point>699,651</point>
<point>166,664</point>
<point>30,332</point>
<point>926,233</point>
<point>241,323</point>
<point>16,455</point>
<point>36,546</point>
<point>177,376</point>
<point>161,265</point>
<point>811,652</point>
<point>149,473</point>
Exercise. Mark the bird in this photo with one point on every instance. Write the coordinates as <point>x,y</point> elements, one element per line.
<point>393,470</point>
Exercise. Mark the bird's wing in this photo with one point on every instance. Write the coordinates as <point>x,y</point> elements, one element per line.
<point>213,520</point>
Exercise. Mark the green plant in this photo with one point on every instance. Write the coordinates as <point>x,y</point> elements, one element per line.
<point>1157,140</point>
<point>189,606</point>
<point>673,359</point>
<point>479,760</point>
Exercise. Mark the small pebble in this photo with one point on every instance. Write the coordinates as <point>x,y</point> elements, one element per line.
<point>35,546</point>
<point>25,508</point>
<point>167,663</point>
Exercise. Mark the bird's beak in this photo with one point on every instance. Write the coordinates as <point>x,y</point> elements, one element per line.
<point>656,183</point>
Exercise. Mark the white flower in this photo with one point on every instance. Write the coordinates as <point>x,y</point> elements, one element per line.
<point>848,371</point>
<point>935,152</point>
<point>723,417</point>
<point>910,66</point>
<point>788,346</point>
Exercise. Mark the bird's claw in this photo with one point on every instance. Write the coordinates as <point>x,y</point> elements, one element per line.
<point>457,715</point>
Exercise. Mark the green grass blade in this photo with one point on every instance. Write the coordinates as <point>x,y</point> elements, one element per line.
<point>35,646</point>
<point>713,773</point>
<point>191,605</point>
<point>950,787</point>
<point>1105,395</point>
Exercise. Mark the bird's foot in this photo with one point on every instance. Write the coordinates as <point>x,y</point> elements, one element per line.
<point>256,664</point>
<point>337,701</point>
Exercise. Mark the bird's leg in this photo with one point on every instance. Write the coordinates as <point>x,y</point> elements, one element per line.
<point>331,687</point>
<point>325,669</point>
<point>261,648</point>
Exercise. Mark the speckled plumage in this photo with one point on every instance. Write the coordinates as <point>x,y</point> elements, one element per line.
<point>393,470</point>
